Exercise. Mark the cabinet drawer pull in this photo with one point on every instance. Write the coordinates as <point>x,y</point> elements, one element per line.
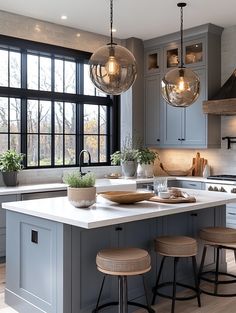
<point>34,236</point>
<point>229,213</point>
<point>179,139</point>
<point>193,214</point>
<point>183,139</point>
<point>192,184</point>
<point>118,228</point>
<point>158,140</point>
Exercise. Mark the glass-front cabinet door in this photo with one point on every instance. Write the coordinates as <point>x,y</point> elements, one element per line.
<point>171,57</point>
<point>152,62</point>
<point>194,53</point>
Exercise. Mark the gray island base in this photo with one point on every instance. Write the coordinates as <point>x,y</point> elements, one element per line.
<point>52,246</point>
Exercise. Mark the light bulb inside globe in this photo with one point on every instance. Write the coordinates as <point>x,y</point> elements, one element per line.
<point>112,66</point>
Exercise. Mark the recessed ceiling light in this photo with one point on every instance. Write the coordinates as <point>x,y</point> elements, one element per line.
<point>78,35</point>
<point>37,28</point>
<point>64,17</point>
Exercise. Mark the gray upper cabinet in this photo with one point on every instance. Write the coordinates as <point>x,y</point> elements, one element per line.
<point>167,126</point>
<point>186,126</point>
<point>152,110</point>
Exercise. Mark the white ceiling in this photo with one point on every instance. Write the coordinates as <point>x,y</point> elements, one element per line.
<point>143,19</point>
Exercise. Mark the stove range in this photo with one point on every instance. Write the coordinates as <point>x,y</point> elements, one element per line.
<point>223,177</point>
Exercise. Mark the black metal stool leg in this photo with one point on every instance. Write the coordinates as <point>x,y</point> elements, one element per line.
<point>158,280</point>
<point>125,294</point>
<point>174,285</point>
<point>120,307</point>
<point>217,270</point>
<point>100,293</point>
<point>202,263</point>
<point>150,310</point>
<point>194,262</point>
<point>235,255</point>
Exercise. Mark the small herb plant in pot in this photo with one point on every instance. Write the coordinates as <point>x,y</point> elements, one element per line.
<point>146,159</point>
<point>81,191</point>
<point>10,165</point>
<point>127,158</point>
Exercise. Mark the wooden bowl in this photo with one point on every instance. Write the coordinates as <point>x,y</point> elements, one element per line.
<point>126,197</point>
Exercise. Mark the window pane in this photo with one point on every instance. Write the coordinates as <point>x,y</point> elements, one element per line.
<point>103,149</point>
<point>45,116</point>
<point>3,114</point>
<point>15,142</point>
<point>90,119</point>
<point>91,144</point>
<point>58,108</point>
<point>32,72</point>
<point>4,142</point>
<point>4,68</point>
<point>89,88</point>
<point>58,75</point>
<point>58,150</point>
<point>70,149</point>
<point>70,77</point>
<point>45,150</point>
<point>45,74</point>
<point>32,150</point>
<point>32,116</point>
<point>103,119</point>
<point>15,69</point>
<point>15,115</point>
<point>70,118</point>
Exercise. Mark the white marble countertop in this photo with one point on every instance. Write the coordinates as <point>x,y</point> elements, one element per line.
<point>105,213</point>
<point>103,184</point>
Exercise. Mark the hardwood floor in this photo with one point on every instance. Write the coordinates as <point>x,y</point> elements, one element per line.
<point>209,304</point>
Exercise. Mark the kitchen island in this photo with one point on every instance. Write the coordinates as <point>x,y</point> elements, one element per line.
<point>52,246</point>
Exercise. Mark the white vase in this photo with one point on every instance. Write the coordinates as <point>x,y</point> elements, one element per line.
<point>145,170</point>
<point>82,197</point>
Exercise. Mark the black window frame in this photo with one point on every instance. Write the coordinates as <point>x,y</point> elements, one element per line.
<point>80,57</point>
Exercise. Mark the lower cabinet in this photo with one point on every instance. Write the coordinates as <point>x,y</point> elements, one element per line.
<point>6,198</point>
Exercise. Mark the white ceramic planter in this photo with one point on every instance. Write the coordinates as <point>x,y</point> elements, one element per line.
<point>82,197</point>
<point>145,170</point>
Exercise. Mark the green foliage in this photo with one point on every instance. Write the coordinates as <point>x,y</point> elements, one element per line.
<point>125,155</point>
<point>146,156</point>
<point>76,180</point>
<point>11,161</point>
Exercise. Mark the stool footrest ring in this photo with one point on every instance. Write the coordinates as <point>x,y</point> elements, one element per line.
<point>102,306</point>
<point>166,284</point>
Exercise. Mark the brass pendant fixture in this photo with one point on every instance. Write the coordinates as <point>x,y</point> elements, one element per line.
<point>113,68</point>
<point>180,87</point>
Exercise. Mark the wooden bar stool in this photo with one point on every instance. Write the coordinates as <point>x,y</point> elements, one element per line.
<point>176,247</point>
<point>123,263</point>
<point>219,238</point>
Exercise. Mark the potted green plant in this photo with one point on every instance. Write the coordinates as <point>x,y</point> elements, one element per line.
<point>127,158</point>
<point>10,165</point>
<point>81,191</point>
<point>146,159</point>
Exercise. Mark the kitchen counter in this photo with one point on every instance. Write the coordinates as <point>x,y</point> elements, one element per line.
<point>105,213</point>
<point>52,246</point>
<point>104,184</point>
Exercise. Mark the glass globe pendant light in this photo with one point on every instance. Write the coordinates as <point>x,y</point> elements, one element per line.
<point>180,86</point>
<point>113,68</point>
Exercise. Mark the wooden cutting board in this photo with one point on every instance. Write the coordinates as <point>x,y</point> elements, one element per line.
<point>174,200</point>
<point>198,165</point>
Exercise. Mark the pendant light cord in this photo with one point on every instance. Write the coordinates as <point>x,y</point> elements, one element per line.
<point>111,21</point>
<point>181,36</point>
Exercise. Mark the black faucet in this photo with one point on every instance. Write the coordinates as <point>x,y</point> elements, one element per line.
<point>80,162</point>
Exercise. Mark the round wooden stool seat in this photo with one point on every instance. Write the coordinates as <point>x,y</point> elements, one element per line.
<point>123,261</point>
<point>218,235</point>
<point>176,246</point>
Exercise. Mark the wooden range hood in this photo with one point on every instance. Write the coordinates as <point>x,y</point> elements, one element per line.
<point>224,102</point>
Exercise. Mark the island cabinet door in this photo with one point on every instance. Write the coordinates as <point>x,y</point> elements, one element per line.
<point>211,217</point>
<point>140,234</point>
<point>86,279</point>
<point>34,264</point>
